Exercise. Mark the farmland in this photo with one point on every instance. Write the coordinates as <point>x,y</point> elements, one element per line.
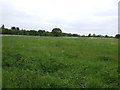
<point>59,62</point>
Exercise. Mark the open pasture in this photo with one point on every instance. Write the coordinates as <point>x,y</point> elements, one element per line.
<point>57,62</point>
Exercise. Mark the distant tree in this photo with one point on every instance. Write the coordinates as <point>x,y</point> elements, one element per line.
<point>48,33</point>
<point>110,36</point>
<point>6,31</point>
<point>57,32</point>
<point>13,28</point>
<point>41,32</point>
<point>83,36</point>
<point>64,34</point>
<point>99,36</point>
<point>13,32</point>
<point>68,34</point>
<point>94,35</point>
<point>106,36</point>
<point>75,35</point>
<point>2,27</point>
<point>117,36</point>
<point>89,35</point>
<point>17,28</point>
<point>33,32</point>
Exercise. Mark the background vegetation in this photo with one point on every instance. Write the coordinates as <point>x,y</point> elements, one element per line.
<point>57,32</point>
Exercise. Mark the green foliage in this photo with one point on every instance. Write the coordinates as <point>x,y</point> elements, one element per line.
<point>59,62</point>
<point>17,31</point>
<point>13,28</point>
<point>89,35</point>
<point>56,32</point>
<point>117,36</point>
<point>3,27</point>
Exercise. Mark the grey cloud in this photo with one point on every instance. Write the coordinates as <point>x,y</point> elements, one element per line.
<point>15,16</point>
<point>112,12</point>
<point>12,15</point>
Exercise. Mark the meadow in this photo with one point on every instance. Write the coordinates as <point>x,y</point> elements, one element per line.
<point>59,62</point>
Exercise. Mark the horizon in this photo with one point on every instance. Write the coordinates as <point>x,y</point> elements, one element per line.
<point>62,31</point>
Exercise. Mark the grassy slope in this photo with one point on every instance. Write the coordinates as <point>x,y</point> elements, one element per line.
<point>59,62</point>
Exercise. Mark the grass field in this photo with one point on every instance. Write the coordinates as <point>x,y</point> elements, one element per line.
<point>57,62</point>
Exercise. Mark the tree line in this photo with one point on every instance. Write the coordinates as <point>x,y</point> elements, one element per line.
<point>55,32</point>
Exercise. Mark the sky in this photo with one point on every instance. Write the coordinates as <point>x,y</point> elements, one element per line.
<point>71,16</point>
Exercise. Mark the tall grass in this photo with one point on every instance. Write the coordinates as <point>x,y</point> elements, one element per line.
<point>55,62</point>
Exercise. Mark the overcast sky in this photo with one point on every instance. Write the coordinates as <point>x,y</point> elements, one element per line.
<point>72,16</point>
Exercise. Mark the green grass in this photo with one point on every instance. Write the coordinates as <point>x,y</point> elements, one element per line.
<point>56,62</point>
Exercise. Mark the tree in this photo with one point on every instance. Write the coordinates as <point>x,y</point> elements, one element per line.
<point>6,31</point>
<point>117,36</point>
<point>48,33</point>
<point>57,32</point>
<point>89,35</point>
<point>83,36</point>
<point>68,34</point>
<point>41,32</point>
<point>13,28</point>
<point>99,36</point>
<point>2,27</point>
<point>94,35</point>
<point>106,36</point>
<point>17,28</point>
<point>75,35</point>
<point>33,32</point>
